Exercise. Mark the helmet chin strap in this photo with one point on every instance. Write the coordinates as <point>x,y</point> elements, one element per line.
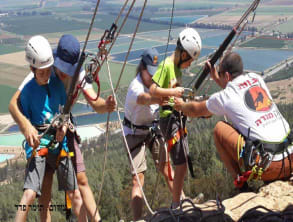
<point>181,61</point>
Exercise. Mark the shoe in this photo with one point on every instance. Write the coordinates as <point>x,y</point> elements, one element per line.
<point>245,188</point>
<point>198,199</point>
<point>174,205</point>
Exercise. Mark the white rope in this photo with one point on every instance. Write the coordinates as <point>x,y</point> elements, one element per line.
<point>108,117</point>
<point>121,125</point>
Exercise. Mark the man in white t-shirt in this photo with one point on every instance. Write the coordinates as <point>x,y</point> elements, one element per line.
<point>141,127</point>
<point>65,62</point>
<point>258,129</point>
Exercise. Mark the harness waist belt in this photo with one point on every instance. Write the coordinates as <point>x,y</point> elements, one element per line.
<point>130,125</point>
<point>278,147</point>
<point>275,148</point>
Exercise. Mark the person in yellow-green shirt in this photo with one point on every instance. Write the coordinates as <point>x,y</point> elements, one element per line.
<point>166,84</point>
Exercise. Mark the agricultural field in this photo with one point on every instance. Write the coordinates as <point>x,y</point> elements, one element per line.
<point>17,4</point>
<point>7,48</point>
<point>183,4</point>
<point>266,10</point>
<point>33,25</point>
<point>105,20</point>
<point>263,42</point>
<point>6,93</point>
<point>286,27</point>
<point>12,75</point>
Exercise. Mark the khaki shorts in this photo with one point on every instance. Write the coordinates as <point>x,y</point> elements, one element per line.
<point>137,145</point>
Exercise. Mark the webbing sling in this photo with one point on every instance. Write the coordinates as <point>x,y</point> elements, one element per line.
<point>68,204</point>
<point>41,152</point>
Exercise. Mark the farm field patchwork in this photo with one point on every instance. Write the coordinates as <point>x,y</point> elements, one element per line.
<point>268,42</point>
<point>286,27</point>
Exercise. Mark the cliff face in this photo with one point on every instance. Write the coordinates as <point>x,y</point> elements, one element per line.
<point>273,202</point>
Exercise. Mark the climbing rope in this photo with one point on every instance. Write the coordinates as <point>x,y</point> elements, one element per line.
<point>130,45</point>
<point>168,40</point>
<point>108,117</point>
<point>254,215</point>
<point>94,66</point>
<point>114,94</point>
<point>192,214</point>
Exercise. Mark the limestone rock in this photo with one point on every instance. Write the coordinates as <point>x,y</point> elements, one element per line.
<point>276,196</point>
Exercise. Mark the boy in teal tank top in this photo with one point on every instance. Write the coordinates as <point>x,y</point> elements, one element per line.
<point>39,102</point>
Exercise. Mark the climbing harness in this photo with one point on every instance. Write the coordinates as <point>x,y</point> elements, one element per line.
<point>255,157</point>
<point>49,132</point>
<point>176,138</point>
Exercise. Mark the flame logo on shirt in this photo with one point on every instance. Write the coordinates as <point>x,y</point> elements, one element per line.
<point>257,99</point>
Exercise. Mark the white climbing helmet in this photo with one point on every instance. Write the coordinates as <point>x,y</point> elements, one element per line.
<point>38,52</point>
<point>190,42</point>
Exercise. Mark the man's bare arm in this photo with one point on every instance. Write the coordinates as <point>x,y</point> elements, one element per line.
<point>101,105</point>
<point>192,109</point>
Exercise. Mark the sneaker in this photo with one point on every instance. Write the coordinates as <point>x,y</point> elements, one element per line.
<point>198,199</point>
<point>174,205</point>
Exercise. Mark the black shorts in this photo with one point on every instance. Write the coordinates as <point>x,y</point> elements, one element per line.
<point>169,126</point>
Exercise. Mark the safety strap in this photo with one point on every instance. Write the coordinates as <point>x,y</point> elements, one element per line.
<point>129,124</point>
<point>68,205</point>
<point>246,175</point>
<point>41,152</point>
<point>171,142</point>
<point>63,154</point>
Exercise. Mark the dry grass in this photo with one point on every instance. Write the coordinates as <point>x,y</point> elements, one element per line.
<point>17,58</point>
<point>282,90</point>
<point>12,75</point>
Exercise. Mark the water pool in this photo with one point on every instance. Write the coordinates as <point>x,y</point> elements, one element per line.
<point>4,157</point>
